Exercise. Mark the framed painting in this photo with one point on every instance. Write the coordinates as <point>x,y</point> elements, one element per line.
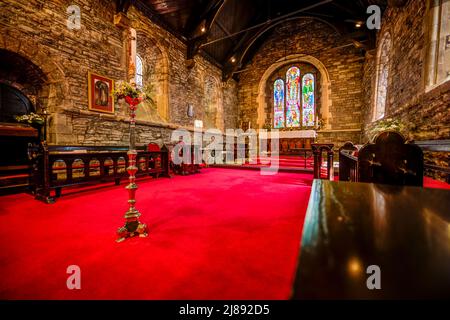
<point>100,94</point>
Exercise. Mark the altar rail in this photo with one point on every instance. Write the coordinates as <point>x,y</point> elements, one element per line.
<point>389,160</point>
<point>56,167</point>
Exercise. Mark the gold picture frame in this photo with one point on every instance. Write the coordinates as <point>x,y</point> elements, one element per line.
<point>100,95</point>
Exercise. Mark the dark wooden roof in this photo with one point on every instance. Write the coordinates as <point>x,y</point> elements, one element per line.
<point>227,29</point>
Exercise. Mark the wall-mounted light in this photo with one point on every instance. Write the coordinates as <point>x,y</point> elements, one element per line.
<point>233,59</point>
<point>198,123</point>
<point>203,29</point>
<point>358,24</point>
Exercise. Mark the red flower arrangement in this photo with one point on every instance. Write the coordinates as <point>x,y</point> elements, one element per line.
<point>132,94</point>
<point>133,101</point>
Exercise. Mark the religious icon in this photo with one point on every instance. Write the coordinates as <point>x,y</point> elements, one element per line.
<point>100,93</point>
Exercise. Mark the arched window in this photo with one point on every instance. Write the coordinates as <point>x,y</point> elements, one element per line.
<point>293,97</point>
<point>139,72</point>
<point>308,100</point>
<point>438,64</point>
<point>382,77</point>
<point>288,109</point>
<point>278,104</point>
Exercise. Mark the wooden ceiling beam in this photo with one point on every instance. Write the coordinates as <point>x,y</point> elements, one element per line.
<point>122,6</point>
<point>201,28</point>
<point>397,3</point>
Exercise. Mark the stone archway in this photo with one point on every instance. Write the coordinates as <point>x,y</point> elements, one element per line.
<point>53,92</point>
<point>295,58</point>
<point>162,68</point>
<point>213,102</point>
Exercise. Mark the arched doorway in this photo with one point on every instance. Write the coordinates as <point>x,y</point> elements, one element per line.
<point>13,103</point>
<point>21,89</point>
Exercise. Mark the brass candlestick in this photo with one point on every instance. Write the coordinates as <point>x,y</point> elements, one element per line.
<point>133,227</point>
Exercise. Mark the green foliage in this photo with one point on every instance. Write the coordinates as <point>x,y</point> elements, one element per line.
<point>388,124</point>
<point>31,118</point>
<point>124,89</point>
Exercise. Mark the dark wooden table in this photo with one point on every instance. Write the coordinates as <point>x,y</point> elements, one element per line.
<point>350,226</point>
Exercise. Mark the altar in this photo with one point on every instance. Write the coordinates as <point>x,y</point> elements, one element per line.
<point>291,142</point>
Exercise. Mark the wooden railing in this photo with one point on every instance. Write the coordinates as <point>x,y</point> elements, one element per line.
<point>56,167</point>
<point>318,149</point>
<point>348,162</point>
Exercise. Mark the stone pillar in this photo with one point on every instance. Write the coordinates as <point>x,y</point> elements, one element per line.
<point>132,54</point>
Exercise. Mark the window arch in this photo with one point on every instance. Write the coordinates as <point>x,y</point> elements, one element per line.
<point>438,67</point>
<point>139,78</point>
<point>294,100</point>
<point>383,68</point>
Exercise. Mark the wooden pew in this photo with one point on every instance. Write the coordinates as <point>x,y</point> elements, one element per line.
<point>388,160</point>
<point>350,226</point>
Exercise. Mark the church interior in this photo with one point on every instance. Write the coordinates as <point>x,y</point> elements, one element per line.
<point>224,149</point>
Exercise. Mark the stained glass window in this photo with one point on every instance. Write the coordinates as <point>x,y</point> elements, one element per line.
<point>293,97</point>
<point>288,111</point>
<point>308,100</point>
<point>278,103</point>
<point>139,73</point>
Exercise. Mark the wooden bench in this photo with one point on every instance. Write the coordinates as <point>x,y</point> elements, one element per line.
<point>56,167</point>
<point>351,226</point>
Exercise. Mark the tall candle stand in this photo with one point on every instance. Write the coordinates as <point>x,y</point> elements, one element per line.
<point>133,227</point>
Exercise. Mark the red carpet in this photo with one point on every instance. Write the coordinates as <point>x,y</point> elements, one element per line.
<point>220,234</point>
<point>431,183</point>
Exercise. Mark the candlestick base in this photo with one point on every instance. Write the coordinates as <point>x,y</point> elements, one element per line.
<point>132,228</point>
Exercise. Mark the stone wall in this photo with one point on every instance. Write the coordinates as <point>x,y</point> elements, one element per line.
<point>310,41</point>
<point>422,114</point>
<point>37,30</point>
